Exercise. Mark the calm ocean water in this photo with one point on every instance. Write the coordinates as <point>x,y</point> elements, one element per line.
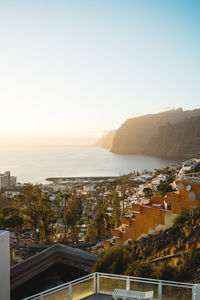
<point>34,164</point>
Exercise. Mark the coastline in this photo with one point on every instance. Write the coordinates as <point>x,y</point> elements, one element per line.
<point>81,178</point>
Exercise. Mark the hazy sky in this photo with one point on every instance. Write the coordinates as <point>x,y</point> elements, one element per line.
<point>82,67</point>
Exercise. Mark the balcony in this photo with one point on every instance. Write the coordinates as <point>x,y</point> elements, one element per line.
<point>99,286</point>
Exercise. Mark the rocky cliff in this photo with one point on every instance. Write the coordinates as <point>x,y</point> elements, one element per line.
<point>107,140</point>
<point>181,140</point>
<point>171,134</point>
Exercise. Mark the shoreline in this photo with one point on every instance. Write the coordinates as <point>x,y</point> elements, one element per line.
<point>82,178</point>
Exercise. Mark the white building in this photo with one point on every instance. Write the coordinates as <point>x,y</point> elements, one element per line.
<point>59,188</point>
<point>7,181</point>
<point>4,265</point>
<point>89,188</point>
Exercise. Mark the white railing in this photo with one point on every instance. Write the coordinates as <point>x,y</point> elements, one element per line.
<point>66,286</point>
<point>106,283</point>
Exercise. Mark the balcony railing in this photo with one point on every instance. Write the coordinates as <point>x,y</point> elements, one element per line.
<point>106,283</point>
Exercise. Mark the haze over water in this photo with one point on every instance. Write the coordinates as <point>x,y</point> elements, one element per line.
<point>34,164</point>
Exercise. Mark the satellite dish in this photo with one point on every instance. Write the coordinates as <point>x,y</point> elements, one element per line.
<point>181,186</point>
<point>188,188</point>
<point>192,196</point>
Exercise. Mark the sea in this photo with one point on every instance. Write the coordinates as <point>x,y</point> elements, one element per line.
<point>35,164</point>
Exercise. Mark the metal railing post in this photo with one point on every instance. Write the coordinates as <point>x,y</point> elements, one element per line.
<point>98,283</point>
<point>94,283</point>
<point>41,297</point>
<point>70,292</point>
<point>196,292</point>
<point>160,290</point>
<point>193,292</point>
<point>128,283</point>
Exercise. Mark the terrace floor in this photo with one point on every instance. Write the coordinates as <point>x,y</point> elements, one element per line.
<point>98,297</point>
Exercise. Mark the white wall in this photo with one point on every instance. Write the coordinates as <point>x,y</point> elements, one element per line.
<point>4,265</point>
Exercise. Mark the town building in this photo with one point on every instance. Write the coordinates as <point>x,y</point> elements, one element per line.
<point>4,265</point>
<point>158,213</point>
<point>7,181</point>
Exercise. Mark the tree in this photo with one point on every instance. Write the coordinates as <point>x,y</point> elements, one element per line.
<point>114,204</point>
<point>114,261</point>
<point>139,269</point>
<point>3,200</point>
<point>148,193</point>
<point>74,213</point>
<point>189,264</point>
<point>48,216</point>
<point>182,217</point>
<point>166,272</point>
<point>89,209</point>
<point>123,181</point>
<point>63,212</point>
<point>101,225</point>
<point>164,187</point>
<point>11,219</point>
<point>30,196</point>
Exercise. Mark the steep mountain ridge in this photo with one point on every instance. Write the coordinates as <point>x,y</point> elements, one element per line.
<point>179,140</point>
<point>159,135</point>
<point>106,140</point>
<point>134,135</point>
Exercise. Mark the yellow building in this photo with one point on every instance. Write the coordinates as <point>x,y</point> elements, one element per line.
<point>158,213</point>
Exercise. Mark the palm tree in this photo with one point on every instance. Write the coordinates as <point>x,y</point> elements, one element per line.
<point>48,216</point>
<point>64,197</point>
<point>30,196</point>
<point>114,201</point>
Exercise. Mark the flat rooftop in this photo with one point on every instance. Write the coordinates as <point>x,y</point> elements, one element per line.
<point>2,232</point>
<point>98,297</point>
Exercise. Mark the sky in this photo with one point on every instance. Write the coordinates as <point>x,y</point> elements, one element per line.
<point>80,68</point>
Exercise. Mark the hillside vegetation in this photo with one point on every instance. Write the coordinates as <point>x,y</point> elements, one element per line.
<point>133,259</point>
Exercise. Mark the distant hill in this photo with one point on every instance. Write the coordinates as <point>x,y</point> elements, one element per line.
<point>173,133</point>
<point>107,140</point>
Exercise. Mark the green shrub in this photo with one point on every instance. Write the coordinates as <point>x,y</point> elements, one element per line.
<point>114,261</point>
<point>139,269</point>
<point>167,272</point>
<point>182,218</point>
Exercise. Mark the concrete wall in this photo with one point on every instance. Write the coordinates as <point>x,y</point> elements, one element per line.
<point>4,265</point>
<point>182,199</point>
<point>149,217</point>
<point>169,219</point>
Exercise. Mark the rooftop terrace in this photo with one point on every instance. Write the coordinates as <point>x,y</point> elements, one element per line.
<point>99,286</point>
